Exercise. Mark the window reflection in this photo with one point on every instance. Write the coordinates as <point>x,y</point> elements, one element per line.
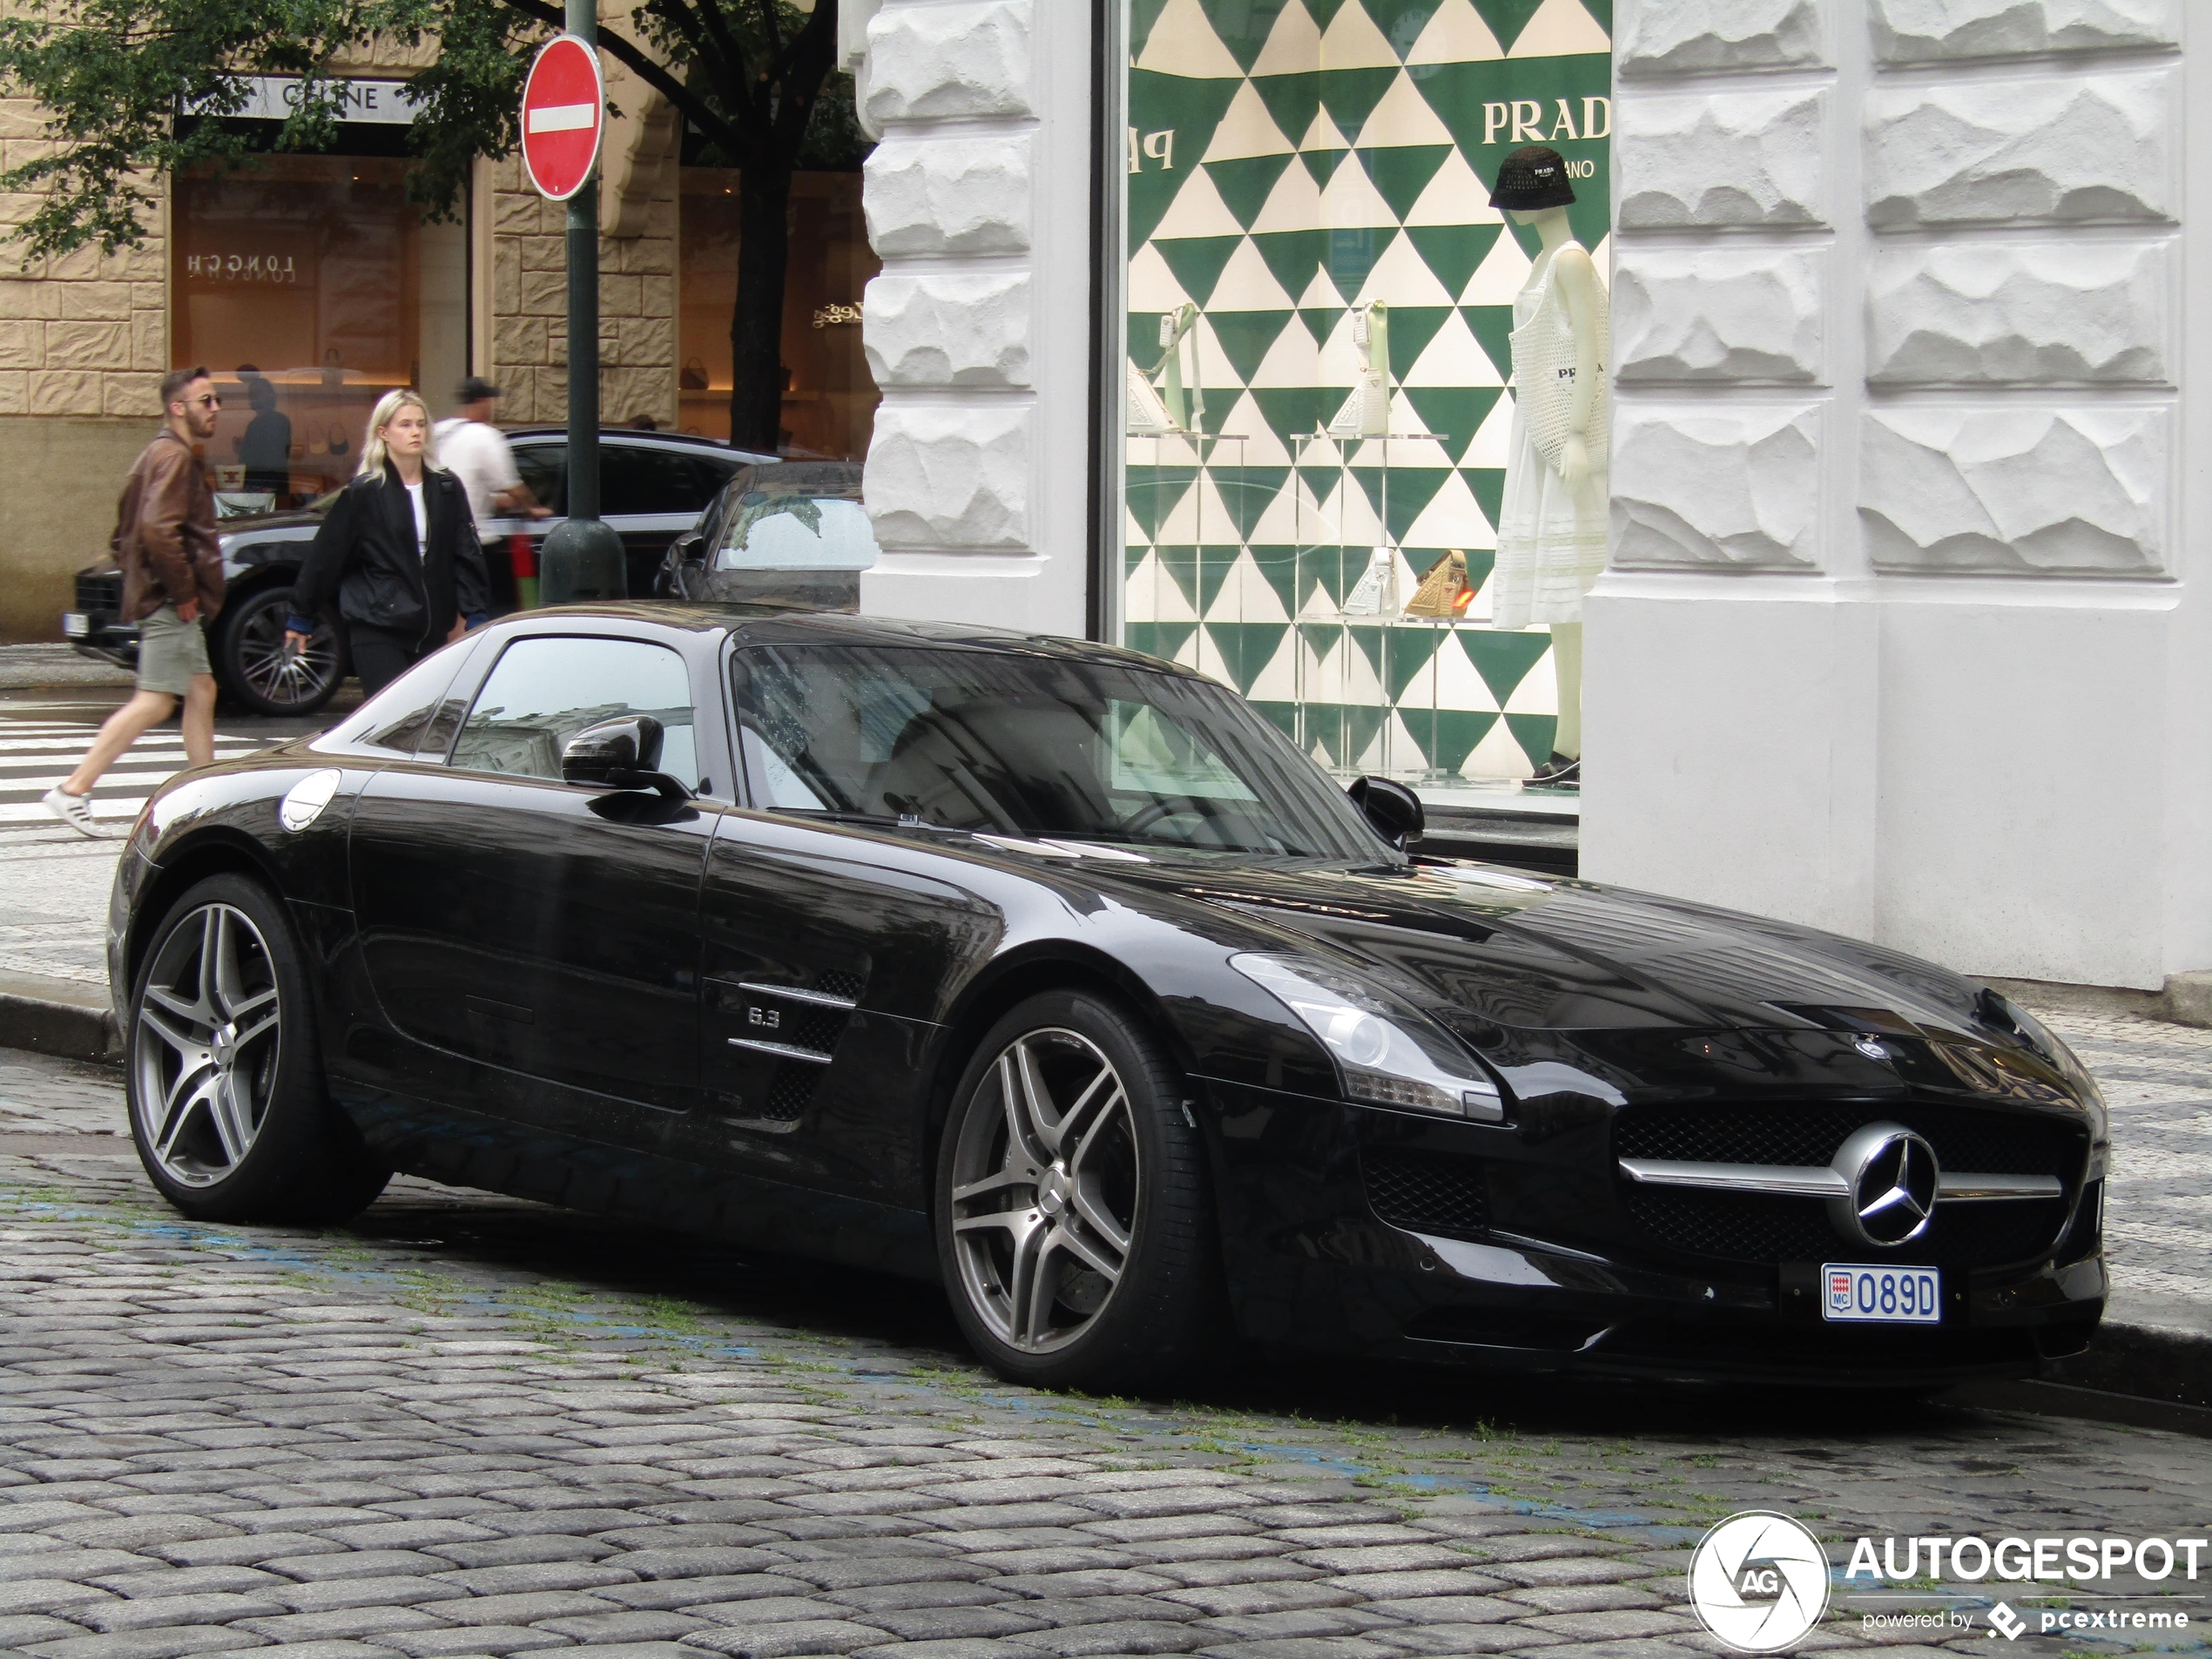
<point>544,692</point>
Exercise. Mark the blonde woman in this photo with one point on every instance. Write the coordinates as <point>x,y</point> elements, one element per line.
<point>399,551</point>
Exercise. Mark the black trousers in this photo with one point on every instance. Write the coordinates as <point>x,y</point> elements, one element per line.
<point>381,655</point>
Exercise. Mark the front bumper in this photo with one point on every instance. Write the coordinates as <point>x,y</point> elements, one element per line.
<point>1540,1270</point>
<point>97,634</point>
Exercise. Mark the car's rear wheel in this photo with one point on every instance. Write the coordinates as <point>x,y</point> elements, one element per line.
<point>251,661</point>
<point>224,1079</point>
<point>1073,1224</point>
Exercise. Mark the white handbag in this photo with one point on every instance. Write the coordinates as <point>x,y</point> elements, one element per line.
<point>1544,368</point>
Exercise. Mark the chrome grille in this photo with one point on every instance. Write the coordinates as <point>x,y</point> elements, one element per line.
<point>1965,1138</point>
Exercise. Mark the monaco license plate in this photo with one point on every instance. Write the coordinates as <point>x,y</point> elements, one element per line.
<point>76,625</point>
<point>1862,1295</point>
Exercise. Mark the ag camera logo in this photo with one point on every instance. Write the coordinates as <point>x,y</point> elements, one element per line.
<point>1758,1581</point>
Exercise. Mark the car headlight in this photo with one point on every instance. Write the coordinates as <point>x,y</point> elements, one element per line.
<point>2047,1043</point>
<point>1386,1052</point>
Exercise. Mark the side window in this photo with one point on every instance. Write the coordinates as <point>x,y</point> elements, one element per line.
<point>401,719</point>
<point>636,479</point>
<point>544,690</point>
<point>544,467</point>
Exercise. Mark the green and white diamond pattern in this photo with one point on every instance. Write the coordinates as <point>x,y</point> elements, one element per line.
<point>1292,161</point>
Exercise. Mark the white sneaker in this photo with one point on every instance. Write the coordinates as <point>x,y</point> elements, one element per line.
<point>76,810</point>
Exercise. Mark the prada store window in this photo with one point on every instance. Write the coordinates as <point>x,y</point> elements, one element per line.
<point>829,399</point>
<point>311,287</point>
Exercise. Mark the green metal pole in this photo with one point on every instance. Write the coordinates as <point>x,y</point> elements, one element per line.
<point>583,314</point>
<point>584,557</point>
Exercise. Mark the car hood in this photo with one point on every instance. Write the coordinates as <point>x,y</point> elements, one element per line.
<point>1531,952</point>
<point>1608,993</point>
<point>262,523</point>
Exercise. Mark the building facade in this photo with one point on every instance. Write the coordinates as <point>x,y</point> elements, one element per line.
<point>310,286</point>
<point>1900,633</point>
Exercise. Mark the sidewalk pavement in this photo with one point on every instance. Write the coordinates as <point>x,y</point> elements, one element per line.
<point>2157,1077</point>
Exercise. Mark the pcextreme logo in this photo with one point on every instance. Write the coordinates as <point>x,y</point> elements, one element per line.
<point>1759,1581</point>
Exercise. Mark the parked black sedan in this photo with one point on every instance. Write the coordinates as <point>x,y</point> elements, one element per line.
<point>653,486</point>
<point>1054,974</point>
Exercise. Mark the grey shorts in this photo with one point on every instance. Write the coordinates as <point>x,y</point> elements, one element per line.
<point>171,651</point>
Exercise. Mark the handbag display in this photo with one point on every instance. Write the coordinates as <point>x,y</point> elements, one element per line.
<point>692,376</point>
<point>1444,593</point>
<point>1543,376</point>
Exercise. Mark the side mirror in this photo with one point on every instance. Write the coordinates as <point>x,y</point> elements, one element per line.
<point>619,754</point>
<point>1395,810</point>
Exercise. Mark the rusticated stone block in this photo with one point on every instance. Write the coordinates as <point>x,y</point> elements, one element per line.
<point>950,476</point>
<point>15,392</point>
<point>926,196</point>
<point>149,341</point>
<point>1721,159</point>
<point>2007,491</point>
<point>94,301</point>
<point>949,330</point>
<point>1688,37</point>
<point>2072,149</point>
<point>1927,31</point>
<point>133,394</point>
<point>939,62</point>
<point>64,391</point>
<point>1990,313</point>
<point>88,345</point>
<point>22,344</point>
<point>26,296</point>
<point>1716,313</point>
<point>1729,486</point>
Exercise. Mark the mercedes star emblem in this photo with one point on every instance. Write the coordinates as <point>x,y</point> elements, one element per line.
<point>1893,1178</point>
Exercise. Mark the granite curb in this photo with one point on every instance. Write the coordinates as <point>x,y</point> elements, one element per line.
<point>57,1017</point>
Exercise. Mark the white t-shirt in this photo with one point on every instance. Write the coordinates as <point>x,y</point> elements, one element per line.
<point>478,455</point>
<point>421,520</point>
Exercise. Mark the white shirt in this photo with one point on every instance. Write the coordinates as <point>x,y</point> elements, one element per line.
<point>421,520</point>
<point>478,455</point>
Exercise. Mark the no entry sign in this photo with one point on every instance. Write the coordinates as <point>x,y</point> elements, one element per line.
<point>564,113</point>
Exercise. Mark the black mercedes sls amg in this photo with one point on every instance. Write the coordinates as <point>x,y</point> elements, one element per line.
<point>1058,975</point>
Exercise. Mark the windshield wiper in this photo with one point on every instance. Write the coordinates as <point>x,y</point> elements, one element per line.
<point>864,820</point>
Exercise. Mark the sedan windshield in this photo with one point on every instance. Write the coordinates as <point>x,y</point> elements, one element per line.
<point>1032,746</point>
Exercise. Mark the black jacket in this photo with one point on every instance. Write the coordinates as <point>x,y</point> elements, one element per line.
<point>365,552</point>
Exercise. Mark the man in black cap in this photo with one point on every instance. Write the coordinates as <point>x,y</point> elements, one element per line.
<point>476,451</point>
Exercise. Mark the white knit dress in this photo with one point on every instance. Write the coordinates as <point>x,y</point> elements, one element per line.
<point>1551,539</point>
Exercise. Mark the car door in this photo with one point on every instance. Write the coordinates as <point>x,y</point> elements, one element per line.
<point>537,928</point>
<point>825,950</point>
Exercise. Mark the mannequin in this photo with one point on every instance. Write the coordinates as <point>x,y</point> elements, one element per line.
<point>1551,529</point>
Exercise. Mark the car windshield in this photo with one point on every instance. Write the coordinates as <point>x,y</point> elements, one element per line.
<point>803,515</point>
<point>1033,745</point>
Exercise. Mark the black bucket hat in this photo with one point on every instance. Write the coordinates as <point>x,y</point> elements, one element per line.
<point>1532,177</point>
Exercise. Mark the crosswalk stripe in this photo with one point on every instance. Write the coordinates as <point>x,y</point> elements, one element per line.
<point>35,755</point>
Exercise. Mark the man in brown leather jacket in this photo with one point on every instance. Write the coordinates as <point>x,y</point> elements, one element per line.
<point>172,581</point>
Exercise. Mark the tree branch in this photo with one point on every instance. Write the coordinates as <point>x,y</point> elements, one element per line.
<point>636,61</point>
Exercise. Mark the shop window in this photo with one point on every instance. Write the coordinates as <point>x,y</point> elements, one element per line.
<point>1319,302</point>
<point>311,287</point>
<point>829,399</point>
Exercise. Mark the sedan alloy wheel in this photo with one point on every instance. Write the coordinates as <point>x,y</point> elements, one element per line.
<point>1045,1183</point>
<point>207,1045</point>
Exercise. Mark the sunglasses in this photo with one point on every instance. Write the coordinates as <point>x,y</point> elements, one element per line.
<point>207,401</point>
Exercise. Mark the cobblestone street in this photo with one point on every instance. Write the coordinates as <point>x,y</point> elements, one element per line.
<point>472,1425</point>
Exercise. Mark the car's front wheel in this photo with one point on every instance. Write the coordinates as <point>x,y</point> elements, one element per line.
<point>254,668</point>
<point>1073,1225</point>
<point>224,1079</point>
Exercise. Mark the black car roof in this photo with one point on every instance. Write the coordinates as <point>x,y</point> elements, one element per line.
<point>769,624</point>
<point>639,434</point>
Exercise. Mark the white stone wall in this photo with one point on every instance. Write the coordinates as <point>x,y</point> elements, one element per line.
<point>977,331</point>
<point>1900,635</point>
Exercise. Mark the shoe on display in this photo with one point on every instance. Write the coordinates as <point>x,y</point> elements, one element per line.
<point>76,810</point>
<point>1558,772</point>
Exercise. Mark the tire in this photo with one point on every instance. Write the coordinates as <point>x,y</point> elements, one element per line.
<point>251,664</point>
<point>224,1068</point>
<point>1102,1274</point>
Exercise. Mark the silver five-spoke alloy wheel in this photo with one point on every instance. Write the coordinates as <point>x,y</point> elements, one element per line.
<point>1044,1187</point>
<point>206,1046</point>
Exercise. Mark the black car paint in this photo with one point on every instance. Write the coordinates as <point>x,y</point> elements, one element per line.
<point>1588,1003</point>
